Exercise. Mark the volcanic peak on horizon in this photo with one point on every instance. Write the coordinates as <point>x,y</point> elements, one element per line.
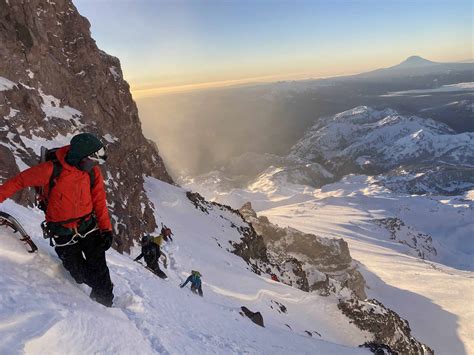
<point>414,61</point>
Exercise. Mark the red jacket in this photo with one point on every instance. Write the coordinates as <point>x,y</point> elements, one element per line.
<point>72,196</point>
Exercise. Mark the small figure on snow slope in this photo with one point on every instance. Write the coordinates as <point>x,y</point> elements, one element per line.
<point>75,206</point>
<point>195,279</point>
<point>151,251</point>
<point>166,233</point>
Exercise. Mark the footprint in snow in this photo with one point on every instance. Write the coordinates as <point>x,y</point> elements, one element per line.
<point>129,301</point>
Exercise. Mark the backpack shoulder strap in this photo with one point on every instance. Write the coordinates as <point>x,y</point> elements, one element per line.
<point>92,177</point>
<point>57,169</point>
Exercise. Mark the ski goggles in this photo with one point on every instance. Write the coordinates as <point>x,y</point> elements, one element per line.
<point>100,157</point>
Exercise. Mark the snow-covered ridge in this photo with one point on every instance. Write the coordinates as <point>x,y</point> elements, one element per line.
<point>385,138</point>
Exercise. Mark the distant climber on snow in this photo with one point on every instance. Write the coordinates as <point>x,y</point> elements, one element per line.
<point>195,279</point>
<point>74,201</point>
<point>151,251</point>
<point>166,232</point>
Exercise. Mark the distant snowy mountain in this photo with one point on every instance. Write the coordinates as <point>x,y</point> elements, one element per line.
<point>415,66</point>
<point>383,139</point>
<point>407,153</point>
<point>371,141</point>
<point>415,61</point>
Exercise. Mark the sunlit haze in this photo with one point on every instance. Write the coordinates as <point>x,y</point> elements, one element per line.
<point>176,46</point>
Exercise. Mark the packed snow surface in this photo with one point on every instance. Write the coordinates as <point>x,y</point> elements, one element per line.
<point>6,84</point>
<point>43,311</point>
<point>435,294</point>
<point>51,107</point>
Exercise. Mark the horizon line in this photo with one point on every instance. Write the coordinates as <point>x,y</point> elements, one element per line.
<point>138,93</point>
<point>265,79</point>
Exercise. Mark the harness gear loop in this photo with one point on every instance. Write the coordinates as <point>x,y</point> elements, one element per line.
<point>49,233</point>
<point>75,237</point>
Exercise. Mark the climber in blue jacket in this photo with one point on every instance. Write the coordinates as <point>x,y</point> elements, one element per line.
<point>195,279</point>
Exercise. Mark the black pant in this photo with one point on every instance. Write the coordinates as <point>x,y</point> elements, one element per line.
<point>152,256</point>
<point>86,263</point>
<point>196,290</point>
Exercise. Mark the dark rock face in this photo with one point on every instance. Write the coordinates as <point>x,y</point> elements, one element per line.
<point>378,349</point>
<point>255,317</point>
<point>386,326</point>
<point>59,84</point>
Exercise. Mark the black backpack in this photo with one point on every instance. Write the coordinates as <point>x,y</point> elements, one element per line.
<point>41,195</point>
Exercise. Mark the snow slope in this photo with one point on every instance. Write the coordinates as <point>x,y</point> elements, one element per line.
<point>42,310</point>
<point>434,296</point>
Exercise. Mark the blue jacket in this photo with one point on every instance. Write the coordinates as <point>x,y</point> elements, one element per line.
<point>195,281</point>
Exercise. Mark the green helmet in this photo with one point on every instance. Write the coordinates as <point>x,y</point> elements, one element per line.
<point>83,145</point>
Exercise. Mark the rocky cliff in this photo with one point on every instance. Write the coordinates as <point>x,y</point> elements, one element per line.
<point>55,82</point>
<point>325,265</point>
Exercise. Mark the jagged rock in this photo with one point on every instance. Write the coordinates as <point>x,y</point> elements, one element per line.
<point>59,84</point>
<point>198,201</point>
<point>255,317</point>
<point>251,247</point>
<point>281,307</point>
<point>420,244</point>
<point>378,349</point>
<point>311,333</point>
<point>387,327</point>
<point>315,260</point>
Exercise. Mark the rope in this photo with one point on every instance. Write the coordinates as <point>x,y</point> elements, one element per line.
<point>75,237</point>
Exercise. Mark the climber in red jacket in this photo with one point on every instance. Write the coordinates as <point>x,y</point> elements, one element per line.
<point>76,212</point>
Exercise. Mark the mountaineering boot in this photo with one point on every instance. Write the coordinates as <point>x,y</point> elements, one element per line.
<point>104,297</point>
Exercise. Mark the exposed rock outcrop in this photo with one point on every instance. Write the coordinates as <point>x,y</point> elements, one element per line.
<point>386,326</point>
<point>255,317</point>
<point>55,82</point>
<point>251,247</point>
<point>321,264</point>
<point>419,244</point>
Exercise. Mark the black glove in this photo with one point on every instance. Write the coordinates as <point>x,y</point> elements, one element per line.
<point>108,239</point>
